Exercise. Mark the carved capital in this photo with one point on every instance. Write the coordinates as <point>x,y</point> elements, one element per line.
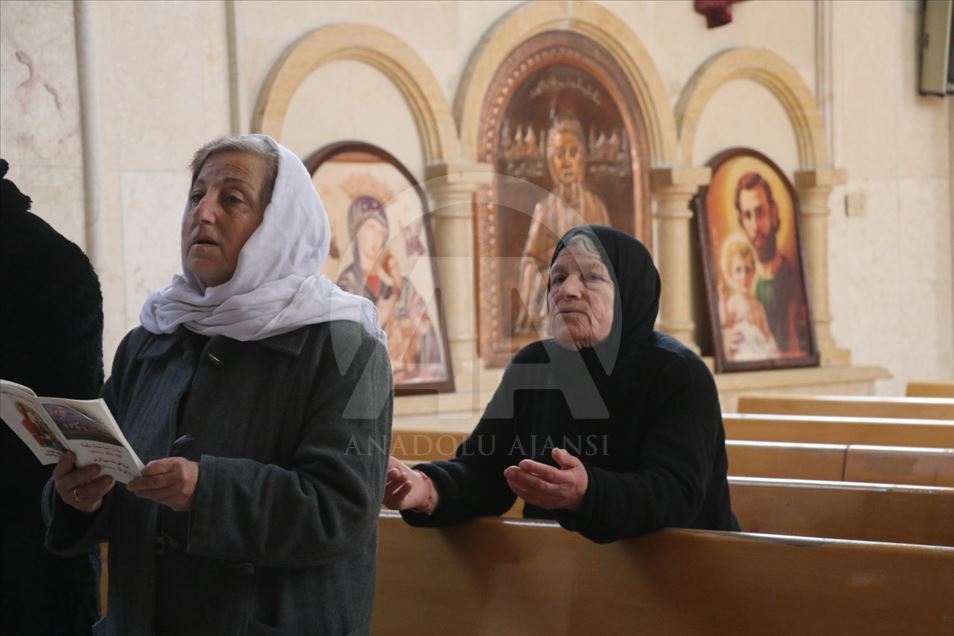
<point>820,178</point>
<point>460,173</point>
<point>667,177</point>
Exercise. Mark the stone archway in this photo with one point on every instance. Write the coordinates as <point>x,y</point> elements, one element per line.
<point>815,177</point>
<point>774,73</point>
<point>378,48</point>
<point>585,18</point>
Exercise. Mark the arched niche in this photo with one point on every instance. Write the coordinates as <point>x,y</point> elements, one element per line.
<point>383,51</point>
<point>587,19</point>
<point>774,73</point>
<point>814,179</point>
<point>557,93</point>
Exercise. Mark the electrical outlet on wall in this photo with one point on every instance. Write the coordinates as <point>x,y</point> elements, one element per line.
<point>855,204</point>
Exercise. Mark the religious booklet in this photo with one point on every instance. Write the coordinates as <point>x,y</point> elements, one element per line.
<point>52,426</point>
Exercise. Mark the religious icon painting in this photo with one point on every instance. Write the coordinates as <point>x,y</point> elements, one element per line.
<point>565,133</point>
<point>756,286</point>
<point>382,249</point>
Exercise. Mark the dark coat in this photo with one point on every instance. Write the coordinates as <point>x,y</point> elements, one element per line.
<point>291,434</point>
<point>639,409</point>
<point>51,318</point>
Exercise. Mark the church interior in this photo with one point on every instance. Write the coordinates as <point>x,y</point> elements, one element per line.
<point>452,144</point>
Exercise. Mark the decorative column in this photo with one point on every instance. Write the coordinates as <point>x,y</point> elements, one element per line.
<point>672,189</point>
<point>451,189</point>
<point>814,189</point>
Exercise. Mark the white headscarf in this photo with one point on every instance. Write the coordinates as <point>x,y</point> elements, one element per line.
<point>277,286</point>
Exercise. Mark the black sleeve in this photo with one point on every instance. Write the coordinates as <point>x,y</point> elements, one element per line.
<point>667,485</point>
<point>472,484</point>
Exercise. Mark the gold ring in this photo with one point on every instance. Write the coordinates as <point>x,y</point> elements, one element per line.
<point>76,495</point>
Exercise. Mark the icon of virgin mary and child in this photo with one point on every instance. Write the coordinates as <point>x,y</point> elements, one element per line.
<point>376,274</point>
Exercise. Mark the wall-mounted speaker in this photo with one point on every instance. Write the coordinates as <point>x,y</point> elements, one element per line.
<point>937,52</point>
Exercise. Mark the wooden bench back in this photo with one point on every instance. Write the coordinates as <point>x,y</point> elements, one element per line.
<point>785,460</point>
<point>896,465</point>
<point>849,406</point>
<point>841,462</point>
<point>845,510</point>
<point>930,390</point>
<point>839,430</point>
<point>494,576</point>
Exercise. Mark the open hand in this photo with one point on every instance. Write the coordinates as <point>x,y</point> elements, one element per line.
<point>170,481</point>
<point>549,487</point>
<point>81,488</point>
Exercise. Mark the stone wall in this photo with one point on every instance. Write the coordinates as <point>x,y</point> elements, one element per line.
<point>102,103</point>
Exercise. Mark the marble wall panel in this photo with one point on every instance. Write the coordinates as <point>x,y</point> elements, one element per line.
<point>926,288</point>
<point>161,89</point>
<point>867,85</point>
<point>39,110</point>
<point>864,282</point>
<point>891,286</point>
<point>169,81</point>
<point>153,202</point>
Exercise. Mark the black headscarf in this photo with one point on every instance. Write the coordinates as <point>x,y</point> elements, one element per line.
<point>647,427</point>
<point>637,286</point>
<point>13,199</point>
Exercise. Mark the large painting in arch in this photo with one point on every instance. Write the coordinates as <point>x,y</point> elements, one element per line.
<point>563,129</point>
<point>382,248</point>
<point>758,300</point>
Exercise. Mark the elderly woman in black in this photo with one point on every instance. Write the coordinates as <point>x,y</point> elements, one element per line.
<point>610,428</point>
<point>258,394</point>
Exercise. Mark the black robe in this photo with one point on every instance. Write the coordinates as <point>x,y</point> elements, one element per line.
<point>639,409</point>
<point>51,319</point>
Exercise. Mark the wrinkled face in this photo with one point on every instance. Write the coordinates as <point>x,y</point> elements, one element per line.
<point>225,207</point>
<point>566,158</point>
<point>757,217</point>
<point>370,238</point>
<point>742,271</point>
<point>581,299</point>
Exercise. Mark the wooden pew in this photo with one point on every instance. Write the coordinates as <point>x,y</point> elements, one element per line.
<point>838,509</point>
<point>746,459</point>
<point>786,460</point>
<point>930,390</point>
<point>427,443</point>
<point>414,444</point>
<point>849,406</point>
<point>894,465</point>
<point>845,510</point>
<point>878,464</point>
<point>839,430</point>
<point>840,462</point>
<point>495,576</point>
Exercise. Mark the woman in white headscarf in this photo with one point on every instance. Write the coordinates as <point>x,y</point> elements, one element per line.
<point>258,394</point>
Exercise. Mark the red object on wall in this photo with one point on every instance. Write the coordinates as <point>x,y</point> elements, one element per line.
<point>717,12</point>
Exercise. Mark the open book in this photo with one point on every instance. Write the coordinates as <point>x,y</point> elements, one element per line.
<point>52,426</point>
